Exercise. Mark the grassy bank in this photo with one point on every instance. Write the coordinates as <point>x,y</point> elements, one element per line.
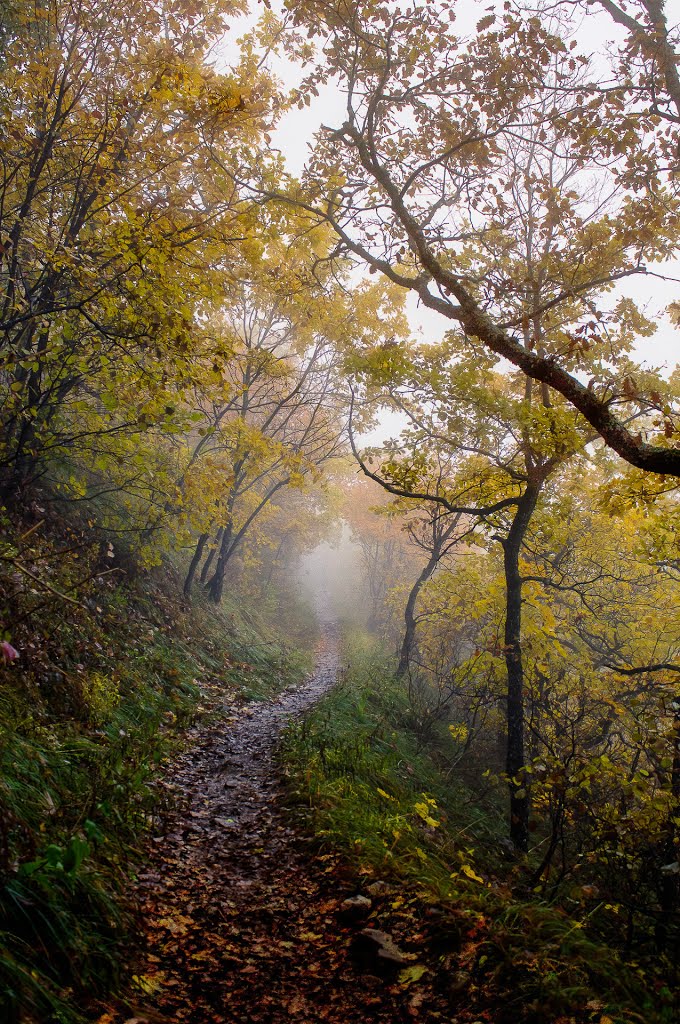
<point>375,793</point>
<point>112,669</point>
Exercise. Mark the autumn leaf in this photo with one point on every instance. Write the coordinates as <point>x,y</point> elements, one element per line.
<point>411,974</point>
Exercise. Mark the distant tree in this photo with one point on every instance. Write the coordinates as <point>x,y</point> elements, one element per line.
<point>386,553</point>
<point>437,533</point>
<point>275,421</point>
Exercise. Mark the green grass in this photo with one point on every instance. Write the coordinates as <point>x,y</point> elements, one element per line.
<point>77,797</point>
<point>370,781</point>
<point>366,784</point>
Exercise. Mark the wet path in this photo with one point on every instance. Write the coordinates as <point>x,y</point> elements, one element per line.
<point>245,922</point>
<point>230,786</point>
<point>242,923</point>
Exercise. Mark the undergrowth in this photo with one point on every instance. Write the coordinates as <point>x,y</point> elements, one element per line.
<point>112,668</point>
<point>378,795</point>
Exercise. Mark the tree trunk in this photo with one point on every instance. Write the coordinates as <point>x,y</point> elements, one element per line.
<point>211,554</point>
<point>216,585</point>
<point>198,554</point>
<point>410,614</point>
<point>519,799</point>
<point>670,883</point>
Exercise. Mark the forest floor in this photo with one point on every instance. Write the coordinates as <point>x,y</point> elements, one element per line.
<point>244,919</point>
<point>241,920</point>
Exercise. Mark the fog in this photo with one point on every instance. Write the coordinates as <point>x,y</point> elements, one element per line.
<point>331,579</point>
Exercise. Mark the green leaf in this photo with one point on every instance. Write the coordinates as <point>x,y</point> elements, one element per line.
<point>411,974</point>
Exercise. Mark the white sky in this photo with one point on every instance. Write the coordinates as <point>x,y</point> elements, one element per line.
<point>294,138</point>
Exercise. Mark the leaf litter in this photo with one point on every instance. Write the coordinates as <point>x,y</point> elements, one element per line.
<point>243,921</point>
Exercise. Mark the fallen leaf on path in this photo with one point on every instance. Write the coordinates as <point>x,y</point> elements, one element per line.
<point>411,974</point>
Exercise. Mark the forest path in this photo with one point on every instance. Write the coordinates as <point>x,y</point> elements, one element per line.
<point>242,923</point>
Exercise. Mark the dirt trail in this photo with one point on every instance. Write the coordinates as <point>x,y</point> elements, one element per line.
<point>242,923</point>
<point>231,785</point>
